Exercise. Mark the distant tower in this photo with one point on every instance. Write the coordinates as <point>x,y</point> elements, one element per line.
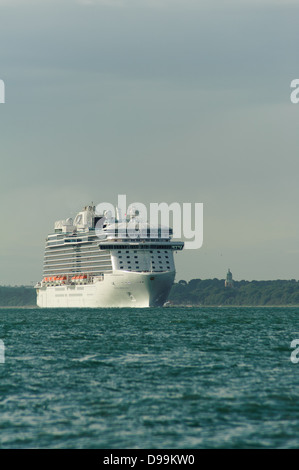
<point>229,279</point>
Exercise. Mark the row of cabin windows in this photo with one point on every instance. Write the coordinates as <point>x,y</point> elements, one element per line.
<point>153,266</point>
<point>151,251</point>
<point>137,267</point>
<point>136,262</point>
<point>128,256</point>
<point>136,257</point>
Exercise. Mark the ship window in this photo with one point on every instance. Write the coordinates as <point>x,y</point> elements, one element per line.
<point>166,256</point>
<point>159,256</point>
<point>121,267</point>
<point>128,256</point>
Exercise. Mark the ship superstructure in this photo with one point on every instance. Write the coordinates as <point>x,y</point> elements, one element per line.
<point>96,261</point>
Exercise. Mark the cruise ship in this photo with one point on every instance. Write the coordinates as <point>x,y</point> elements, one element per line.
<point>95,261</point>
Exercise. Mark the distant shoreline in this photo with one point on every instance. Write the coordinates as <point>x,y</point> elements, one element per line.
<point>30,307</point>
<point>234,306</point>
<point>18,306</point>
<point>197,293</point>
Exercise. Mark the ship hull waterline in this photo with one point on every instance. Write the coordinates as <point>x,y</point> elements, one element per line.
<point>118,289</point>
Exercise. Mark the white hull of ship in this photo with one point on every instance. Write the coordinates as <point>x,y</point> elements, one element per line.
<point>118,289</point>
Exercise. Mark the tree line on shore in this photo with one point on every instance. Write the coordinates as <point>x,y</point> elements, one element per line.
<point>214,292</point>
<point>195,292</point>
<point>18,296</point>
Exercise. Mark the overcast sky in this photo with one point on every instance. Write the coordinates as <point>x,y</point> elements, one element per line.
<point>161,100</point>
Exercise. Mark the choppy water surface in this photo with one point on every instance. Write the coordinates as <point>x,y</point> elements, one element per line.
<point>149,378</point>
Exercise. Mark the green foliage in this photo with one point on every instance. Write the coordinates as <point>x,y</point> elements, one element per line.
<point>214,292</point>
<point>17,296</point>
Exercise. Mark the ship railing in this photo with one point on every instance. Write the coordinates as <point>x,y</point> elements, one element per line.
<point>98,278</point>
<point>71,279</point>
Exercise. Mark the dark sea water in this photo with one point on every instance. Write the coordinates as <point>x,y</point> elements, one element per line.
<point>149,378</point>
